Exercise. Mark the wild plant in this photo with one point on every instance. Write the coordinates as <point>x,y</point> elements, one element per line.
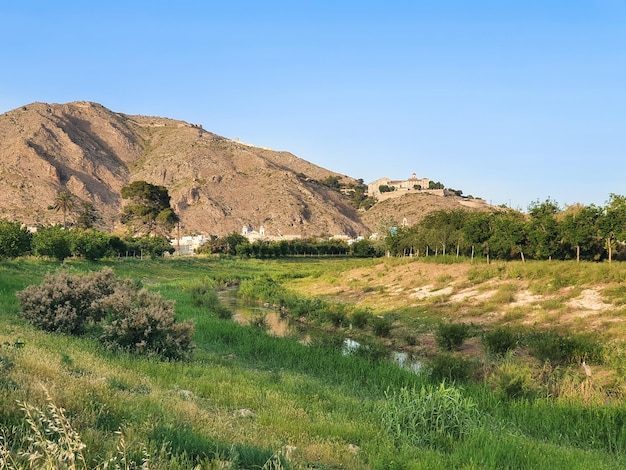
<point>143,322</point>
<point>451,336</point>
<point>136,321</point>
<point>451,367</point>
<point>431,416</point>
<point>68,303</point>
<point>499,341</point>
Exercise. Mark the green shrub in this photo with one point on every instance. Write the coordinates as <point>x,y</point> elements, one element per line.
<point>435,417</point>
<point>450,367</point>
<point>90,244</point>
<point>361,317</point>
<point>451,336</point>
<point>15,240</point>
<point>510,380</point>
<point>381,325</point>
<point>558,349</point>
<point>53,242</point>
<point>500,341</point>
<point>206,297</point>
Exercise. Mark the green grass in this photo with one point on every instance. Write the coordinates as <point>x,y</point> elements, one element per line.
<point>246,397</point>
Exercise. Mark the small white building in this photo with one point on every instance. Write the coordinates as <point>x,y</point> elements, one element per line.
<point>188,244</point>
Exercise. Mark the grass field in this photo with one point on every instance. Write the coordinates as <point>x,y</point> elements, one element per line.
<point>248,399</point>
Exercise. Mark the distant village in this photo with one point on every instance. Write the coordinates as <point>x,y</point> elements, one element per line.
<point>380,189</point>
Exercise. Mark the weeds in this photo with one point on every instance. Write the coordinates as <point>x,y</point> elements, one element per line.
<point>435,417</point>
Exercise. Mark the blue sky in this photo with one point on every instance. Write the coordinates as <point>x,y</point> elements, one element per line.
<point>512,101</point>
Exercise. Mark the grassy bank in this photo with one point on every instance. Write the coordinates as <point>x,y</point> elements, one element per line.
<point>250,400</point>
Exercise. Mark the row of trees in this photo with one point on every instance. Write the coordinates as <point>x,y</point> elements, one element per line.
<point>236,244</point>
<point>91,244</point>
<point>546,232</point>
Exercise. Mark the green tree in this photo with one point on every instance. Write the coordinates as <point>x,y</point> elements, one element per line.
<point>543,229</point>
<point>508,237</point>
<point>87,215</point>
<point>64,202</point>
<point>53,242</point>
<point>613,223</point>
<point>580,229</point>
<point>149,209</point>
<point>90,244</point>
<point>15,240</point>
<point>478,229</point>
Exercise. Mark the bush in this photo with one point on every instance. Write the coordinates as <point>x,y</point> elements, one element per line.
<point>434,417</point>
<point>53,242</point>
<point>510,380</point>
<point>206,297</point>
<point>381,325</point>
<point>90,244</point>
<point>450,336</point>
<point>15,240</point>
<point>500,341</point>
<point>142,322</point>
<point>67,303</point>
<point>447,366</point>
<point>361,317</point>
<point>558,349</point>
<point>135,321</point>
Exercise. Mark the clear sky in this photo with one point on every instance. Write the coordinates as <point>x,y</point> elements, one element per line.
<point>512,101</point>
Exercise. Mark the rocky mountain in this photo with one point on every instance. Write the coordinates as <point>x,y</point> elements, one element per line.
<point>217,185</point>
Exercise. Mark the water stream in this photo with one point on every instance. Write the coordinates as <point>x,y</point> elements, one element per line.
<point>275,323</point>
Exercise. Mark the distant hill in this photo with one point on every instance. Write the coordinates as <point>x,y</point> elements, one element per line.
<point>217,185</point>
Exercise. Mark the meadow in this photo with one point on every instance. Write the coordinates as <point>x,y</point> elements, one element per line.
<point>507,390</point>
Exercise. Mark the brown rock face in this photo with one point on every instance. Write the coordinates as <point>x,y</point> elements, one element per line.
<point>217,185</point>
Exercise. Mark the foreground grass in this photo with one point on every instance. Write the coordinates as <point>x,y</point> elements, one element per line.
<point>246,396</point>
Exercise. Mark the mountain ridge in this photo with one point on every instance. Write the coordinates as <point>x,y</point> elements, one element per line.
<point>216,185</point>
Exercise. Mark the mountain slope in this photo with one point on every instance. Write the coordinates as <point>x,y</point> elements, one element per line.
<point>217,185</point>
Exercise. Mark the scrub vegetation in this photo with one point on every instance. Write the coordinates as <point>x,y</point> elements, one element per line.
<point>517,365</point>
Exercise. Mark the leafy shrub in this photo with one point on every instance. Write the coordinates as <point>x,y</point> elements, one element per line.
<point>53,242</point>
<point>15,240</point>
<point>67,303</point>
<point>361,317</point>
<point>381,325</point>
<point>451,336</point>
<point>142,322</point>
<point>136,321</point>
<point>500,341</point>
<point>90,244</point>
<point>450,367</point>
<point>205,296</point>
<point>434,417</point>
<point>558,349</point>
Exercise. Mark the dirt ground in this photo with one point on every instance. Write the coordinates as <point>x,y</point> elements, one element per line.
<point>452,291</point>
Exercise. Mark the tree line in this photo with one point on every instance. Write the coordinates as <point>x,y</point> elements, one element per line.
<point>148,218</point>
<point>579,232</point>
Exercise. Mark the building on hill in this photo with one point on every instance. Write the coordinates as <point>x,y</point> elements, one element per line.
<point>412,184</point>
<point>385,188</point>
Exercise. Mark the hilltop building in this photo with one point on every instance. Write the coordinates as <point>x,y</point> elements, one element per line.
<point>397,188</point>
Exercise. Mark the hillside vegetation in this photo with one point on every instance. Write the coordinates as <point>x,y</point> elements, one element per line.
<point>487,395</point>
